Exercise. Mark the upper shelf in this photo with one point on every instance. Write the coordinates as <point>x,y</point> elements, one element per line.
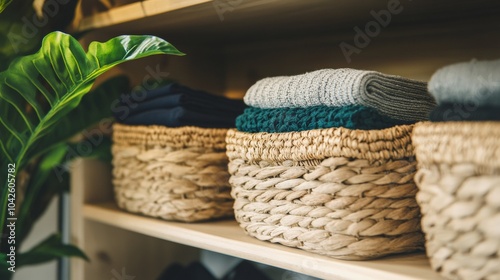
<point>236,19</point>
<point>135,11</point>
<point>228,238</point>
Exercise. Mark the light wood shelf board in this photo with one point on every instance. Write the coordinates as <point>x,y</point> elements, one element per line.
<point>154,7</point>
<point>228,238</point>
<point>268,17</point>
<point>114,16</point>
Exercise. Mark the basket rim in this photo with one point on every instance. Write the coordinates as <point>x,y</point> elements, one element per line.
<point>458,143</point>
<point>318,144</point>
<point>177,137</point>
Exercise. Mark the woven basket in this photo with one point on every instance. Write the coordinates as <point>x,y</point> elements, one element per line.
<point>344,193</point>
<point>171,173</point>
<point>459,181</point>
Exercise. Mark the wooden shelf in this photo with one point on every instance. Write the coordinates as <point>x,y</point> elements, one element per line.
<point>134,11</point>
<point>115,16</point>
<point>265,38</point>
<point>268,17</point>
<point>227,54</point>
<point>228,238</point>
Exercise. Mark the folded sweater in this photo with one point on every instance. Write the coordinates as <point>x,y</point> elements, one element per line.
<point>173,95</point>
<point>475,81</point>
<point>300,119</point>
<point>206,105</point>
<point>464,112</point>
<point>176,105</point>
<point>179,116</point>
<point>393,96</point>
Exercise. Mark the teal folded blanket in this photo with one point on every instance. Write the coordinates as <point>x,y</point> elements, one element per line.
<point>298,119</point>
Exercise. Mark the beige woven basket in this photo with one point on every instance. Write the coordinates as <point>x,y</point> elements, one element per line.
<point>348,194</point>
<point>171,173</point>
<point>459,181</point>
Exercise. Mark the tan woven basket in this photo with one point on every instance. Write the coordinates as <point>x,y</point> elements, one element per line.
<point>459,181</point>
<point>348,194</point>
<point>171,173</point>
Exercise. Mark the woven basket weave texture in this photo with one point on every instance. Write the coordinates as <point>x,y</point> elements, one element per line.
<point>348,194</point>
<point>171,173</point>
<point>459,194</point>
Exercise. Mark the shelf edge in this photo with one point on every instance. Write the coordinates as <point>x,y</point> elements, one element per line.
<point>250,248</point>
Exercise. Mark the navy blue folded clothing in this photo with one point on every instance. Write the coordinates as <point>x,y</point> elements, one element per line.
<point>180,116</point>
<point>174,95</point>
<point>176,105</point>
<point>206,105</point>
<point>465,112</point>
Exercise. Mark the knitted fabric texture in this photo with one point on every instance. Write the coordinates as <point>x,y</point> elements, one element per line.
<point>393,96</point>
<point>300,119</point>
<point>464,112</point>
<point>476,82</point>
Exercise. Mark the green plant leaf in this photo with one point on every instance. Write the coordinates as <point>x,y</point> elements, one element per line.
<point>5,274</point>
<point>38,193</point>
<point>50,176</point>
<point>49,249</point>
<point>4,4</point>
<point>63,73</point>
<point>93,107</point>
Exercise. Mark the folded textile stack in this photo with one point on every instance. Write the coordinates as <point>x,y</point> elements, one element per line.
<point>175,105</point>
<point>299,119</point>
<point>324,162</point>
<point>458,176</point>
<point>334,98</point>
<point>169,154</point>
<point>467,91</point>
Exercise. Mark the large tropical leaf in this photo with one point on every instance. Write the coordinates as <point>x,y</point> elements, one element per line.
<point>35,194</point>
<point>93,107</point>
<point>63,73</point>
<point>4,4</point>
<point>49,249</point>
<point>50,176</point>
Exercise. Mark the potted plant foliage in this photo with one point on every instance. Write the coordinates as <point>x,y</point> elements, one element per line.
<point>43,104</point>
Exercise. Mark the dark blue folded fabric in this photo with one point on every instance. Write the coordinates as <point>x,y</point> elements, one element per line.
<point>176,105</point>
<point>180,116</point>
<point>174,95</point>
<point>207,105</point>
<point>465,112</point>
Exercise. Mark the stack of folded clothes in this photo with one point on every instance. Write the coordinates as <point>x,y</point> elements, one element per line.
<point>169,152</point>
<point>324,162</point>
<point>467,91</point>
<point>327,98</point>
<point>458,176</point>
<point>175,105</point>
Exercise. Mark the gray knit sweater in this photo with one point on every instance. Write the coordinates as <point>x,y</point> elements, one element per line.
<point>473,83</point>
<point>394,96</point>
